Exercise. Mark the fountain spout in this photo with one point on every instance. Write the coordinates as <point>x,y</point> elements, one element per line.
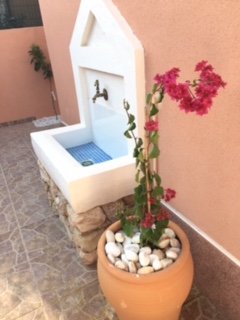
<point>104,93</point>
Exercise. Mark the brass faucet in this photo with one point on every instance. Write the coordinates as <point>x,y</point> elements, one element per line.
<point>104,94</point>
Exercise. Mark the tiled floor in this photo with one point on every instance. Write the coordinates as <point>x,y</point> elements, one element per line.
<point>41,275</point>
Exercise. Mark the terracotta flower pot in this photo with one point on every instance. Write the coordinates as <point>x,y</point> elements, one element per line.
<point>156,296</point>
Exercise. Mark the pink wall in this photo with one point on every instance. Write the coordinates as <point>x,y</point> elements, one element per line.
<point>58,19</point>
<point>199,154</point>
<point>23,92</point>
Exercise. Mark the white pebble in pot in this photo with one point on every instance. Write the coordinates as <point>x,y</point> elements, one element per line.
<point>144,259</point>
<point>157,265</point>
<point>119,237</point>
<point>169,232</point>
<point>110,236</point>
<point>131,255</point>
<point>121,265</point>
<point>171,254</point>
<point>136,237</point>
<point>111,258</point>
<point>132,247</point>
<point>145,270</point>
<point>175,243</point>
<point>163,243</point>
<point>113,249</point>
<point>148,250</point>
<point>132,267</point>
<point>166,262</point>
<point>159,253</point>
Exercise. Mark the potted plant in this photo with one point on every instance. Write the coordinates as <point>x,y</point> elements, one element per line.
<point>40,63</point>
<point>135,288</point>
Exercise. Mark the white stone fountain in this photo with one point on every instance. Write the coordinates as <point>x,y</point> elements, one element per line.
<point>104,49</point>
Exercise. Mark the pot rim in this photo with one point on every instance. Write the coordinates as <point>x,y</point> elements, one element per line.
<point>175,268</point>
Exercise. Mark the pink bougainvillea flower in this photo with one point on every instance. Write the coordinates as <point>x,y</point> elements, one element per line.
<point>151,125</point>
<point>205,91</point>
<point>148,221</point>
<point>186,104</point>
<point>170,77</point>
<point>196,96</point>
<point>152,201</point>
<point>163,215</point>
<point>178,91</point>
<point>169,194</point>
<point>201,106</point>
<point>158,79</point>
<point>203,65</point>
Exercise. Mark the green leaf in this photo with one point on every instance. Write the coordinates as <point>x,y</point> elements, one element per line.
<point>141,156</point>
<point>137,176</point>
<point>126,105</point>
<point>153,111</point>
<point>131,118</point>
<point>155,88</point>
<point>154,153</point>
<point>128,228</point>
<point>147,236</point>
<point>139,143</point>
<point>161,225</point>
<point>157,179</point>
<point>127,134</point>
<point>154,138</point>
<point>137,162</point>
<point>132,126</point>
<point>143,180</point>
<point>135,152</point>
<point>138,210</point>
<point>157,192</point>
<point>148,98</point>
<point>142,167</point>
<point>138,190</point>
<point>37,66</point>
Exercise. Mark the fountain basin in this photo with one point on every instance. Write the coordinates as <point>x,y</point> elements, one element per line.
<point>83,186</point>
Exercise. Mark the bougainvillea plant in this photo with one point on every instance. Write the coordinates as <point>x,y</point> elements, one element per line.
<point>197,96</point>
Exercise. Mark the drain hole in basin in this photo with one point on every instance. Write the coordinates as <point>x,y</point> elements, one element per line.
<point>87,163</point>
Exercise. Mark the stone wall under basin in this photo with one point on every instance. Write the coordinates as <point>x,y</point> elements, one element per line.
<point>83,228</point>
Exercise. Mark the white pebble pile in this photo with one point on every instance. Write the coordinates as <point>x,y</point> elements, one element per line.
<point>126,253</point>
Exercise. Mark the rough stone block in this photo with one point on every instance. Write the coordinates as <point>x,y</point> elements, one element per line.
<point>87,257</point>
<point>87,242</point>
<point>54,189</point>
<point>129,201</point>
<point>90,220</point>
<point>72,215</point>
<point>61,205</point>
<point>70,210</point>
<point>110,209</point>
<point>43,173</point>
<point>67,226</point>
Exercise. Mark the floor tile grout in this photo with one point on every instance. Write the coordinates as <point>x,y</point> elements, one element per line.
<point>20,231</point>
<point>64,287</point>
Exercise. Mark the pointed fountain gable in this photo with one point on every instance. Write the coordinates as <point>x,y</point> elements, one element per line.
<point>103,41</point>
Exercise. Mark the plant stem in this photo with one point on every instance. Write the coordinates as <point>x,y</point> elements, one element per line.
<point>146,143</point>
<point>53,102</point>
<point>190,85</point>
